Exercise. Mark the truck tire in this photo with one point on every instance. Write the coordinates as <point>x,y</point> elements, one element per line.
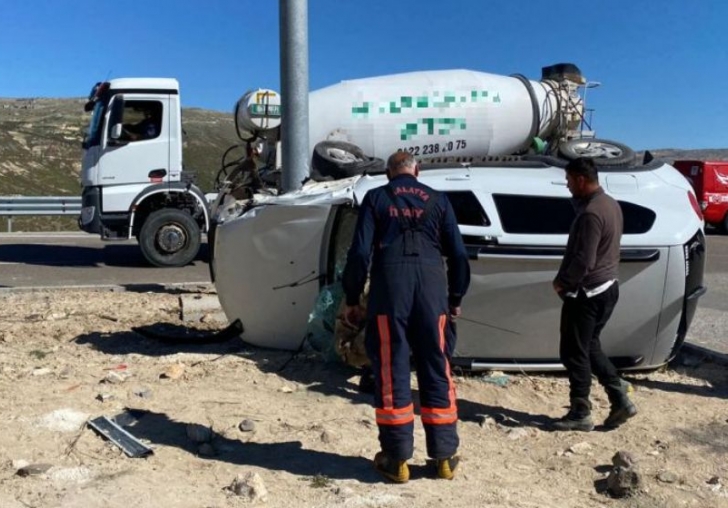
<point>169,237</point>
<point>604,152</point>
<point>335,160</point>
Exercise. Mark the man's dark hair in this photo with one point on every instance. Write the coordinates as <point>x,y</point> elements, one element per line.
<point>583,166</point>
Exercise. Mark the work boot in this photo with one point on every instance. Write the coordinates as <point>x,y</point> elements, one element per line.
<point>395,470</point>
<point>622,409</point>
<point>578,417</point>
<point>446,467</point>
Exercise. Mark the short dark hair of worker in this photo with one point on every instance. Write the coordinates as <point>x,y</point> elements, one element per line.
<point>583,166</point>
<point>401,162</point>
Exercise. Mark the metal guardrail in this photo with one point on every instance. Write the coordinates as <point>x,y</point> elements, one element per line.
<point>11,206</point>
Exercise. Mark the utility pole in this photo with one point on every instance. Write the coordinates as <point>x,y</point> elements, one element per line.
<point>294,93</point>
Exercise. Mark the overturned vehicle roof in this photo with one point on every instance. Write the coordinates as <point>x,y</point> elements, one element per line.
<point>274,258</point>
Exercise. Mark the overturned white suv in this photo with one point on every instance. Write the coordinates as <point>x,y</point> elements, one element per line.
<point>273,256</point>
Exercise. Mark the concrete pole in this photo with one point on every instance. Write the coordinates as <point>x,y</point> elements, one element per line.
<point>294,93</point>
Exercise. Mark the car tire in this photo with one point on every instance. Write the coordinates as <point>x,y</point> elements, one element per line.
<point>335,160</point>
<point>169,237</point>
<point>602,151</point>
<point>724,224</point>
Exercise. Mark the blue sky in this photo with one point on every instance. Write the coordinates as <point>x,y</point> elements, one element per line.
<point>663,64</point>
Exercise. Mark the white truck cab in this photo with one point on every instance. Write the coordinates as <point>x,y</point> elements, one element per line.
<point>133,180</point>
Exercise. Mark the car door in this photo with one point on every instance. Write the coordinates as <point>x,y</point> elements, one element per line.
<point>511,314</point>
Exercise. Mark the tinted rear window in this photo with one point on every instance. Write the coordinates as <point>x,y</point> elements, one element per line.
<point>539,215</point>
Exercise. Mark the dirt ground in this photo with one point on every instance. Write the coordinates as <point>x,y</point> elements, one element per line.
<point>313,435</point>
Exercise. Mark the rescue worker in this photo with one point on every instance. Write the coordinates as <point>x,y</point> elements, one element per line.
<point>405,228</point>
<point>588,286</point>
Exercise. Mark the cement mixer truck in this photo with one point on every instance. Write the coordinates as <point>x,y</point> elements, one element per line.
<point>134,185</point>
<point>438,116</point>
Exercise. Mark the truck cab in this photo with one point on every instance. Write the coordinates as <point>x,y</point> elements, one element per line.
<point>133,180</point>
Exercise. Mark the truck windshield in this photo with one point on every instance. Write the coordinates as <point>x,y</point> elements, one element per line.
<point>93,135</point>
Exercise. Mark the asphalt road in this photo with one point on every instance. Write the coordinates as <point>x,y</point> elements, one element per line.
<point>73,259</point>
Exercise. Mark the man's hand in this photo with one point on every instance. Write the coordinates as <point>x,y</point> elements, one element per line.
<point>455,313</point>
<point>353,316</point>
<point>558,288</point>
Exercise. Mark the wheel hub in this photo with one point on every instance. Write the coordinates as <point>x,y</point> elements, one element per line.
<point>598,150</point>
<point>171,238</point>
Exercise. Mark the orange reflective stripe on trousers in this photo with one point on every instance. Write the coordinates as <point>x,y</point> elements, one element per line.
<point>400,416</point>
<point>441,416</point>
<point>385,355</point>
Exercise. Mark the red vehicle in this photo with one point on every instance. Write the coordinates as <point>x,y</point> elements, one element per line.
<point>710,181</point>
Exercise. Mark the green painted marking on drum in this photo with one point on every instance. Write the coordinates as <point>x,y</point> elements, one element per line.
<point>439,99</point>
<point>443,126</point>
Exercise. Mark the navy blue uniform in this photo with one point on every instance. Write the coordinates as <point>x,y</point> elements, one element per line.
<point>405,228</point>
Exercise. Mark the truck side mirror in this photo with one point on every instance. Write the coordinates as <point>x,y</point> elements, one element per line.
<point>115,132</point>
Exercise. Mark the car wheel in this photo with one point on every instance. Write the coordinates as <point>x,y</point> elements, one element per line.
<point>725,224</point>
<point>604,152</point>
<point>334,160</point>
<point>169,237</point>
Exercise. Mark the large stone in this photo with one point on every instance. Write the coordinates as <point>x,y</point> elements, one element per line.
<point>667,477</point>
<point>251,486</point>
<point>624,459</point>
<point>247,425</point>
<point>623,482</point>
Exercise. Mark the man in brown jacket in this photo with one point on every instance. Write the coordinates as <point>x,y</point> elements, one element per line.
<point>587,284</point>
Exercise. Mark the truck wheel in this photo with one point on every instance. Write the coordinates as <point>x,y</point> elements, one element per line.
<point>169,237</point>
<point>725,224</point>
<point>334,160</point>
<point>604,152</point>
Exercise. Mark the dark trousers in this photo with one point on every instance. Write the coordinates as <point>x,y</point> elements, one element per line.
<point>582,321</point>
<point>407,315</point>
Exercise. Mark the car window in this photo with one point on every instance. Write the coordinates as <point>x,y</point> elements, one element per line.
<point>553,216</point>
<point>637,219</point>
<point>534,214</point>
<point>468,210</point>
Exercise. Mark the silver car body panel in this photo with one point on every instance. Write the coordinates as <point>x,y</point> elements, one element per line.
<point>272,260</point>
